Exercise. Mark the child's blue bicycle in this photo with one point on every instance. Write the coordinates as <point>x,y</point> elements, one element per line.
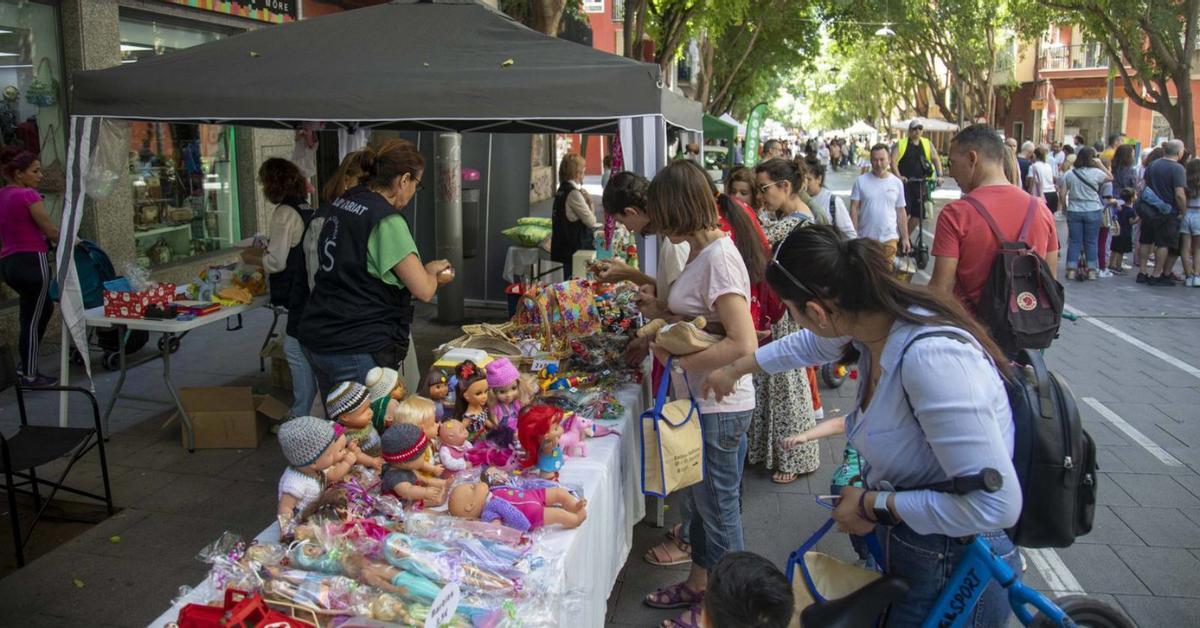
<point>970,579</point>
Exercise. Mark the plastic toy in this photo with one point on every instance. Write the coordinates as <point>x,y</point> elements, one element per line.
<point>539,428</point>
<point>521,509</point>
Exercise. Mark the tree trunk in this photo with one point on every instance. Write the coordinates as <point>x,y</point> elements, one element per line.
<point>643,6</point>
<point>733,72</point>
<point>705,76</point>
<point>1183,123</point>
<point>633,9</point>
<point>547,16</point>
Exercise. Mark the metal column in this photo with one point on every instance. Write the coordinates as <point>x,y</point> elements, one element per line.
<point>448,208</point>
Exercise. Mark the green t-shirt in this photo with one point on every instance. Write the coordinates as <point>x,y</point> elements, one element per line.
<point>389,243</point>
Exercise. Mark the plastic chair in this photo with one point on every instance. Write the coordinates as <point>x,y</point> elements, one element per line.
<point>36,445</point>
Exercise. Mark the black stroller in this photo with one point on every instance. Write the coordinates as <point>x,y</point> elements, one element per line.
<point>94,267</point>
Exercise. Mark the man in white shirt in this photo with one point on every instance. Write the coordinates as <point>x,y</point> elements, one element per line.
<point>877,205</point>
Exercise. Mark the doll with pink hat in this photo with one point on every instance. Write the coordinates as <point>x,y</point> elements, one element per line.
<point>504,383</point>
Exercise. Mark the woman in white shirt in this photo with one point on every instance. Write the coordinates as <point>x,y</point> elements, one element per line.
<point>716,285</point>
<point>1041,179</point>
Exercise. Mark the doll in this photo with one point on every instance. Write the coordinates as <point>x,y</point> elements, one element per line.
<point>385,390</point>
<point>437,388</point>
<point>471,396</point>
<point>518,508</point>
<point>317,455</point>
<point>422,413</point>
<point>539,428</point>
<point>404,447</point>
<point>453,452</point>
<point>348,405</point>
<point>504,383</point>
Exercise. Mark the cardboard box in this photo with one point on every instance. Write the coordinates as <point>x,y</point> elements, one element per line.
<point>226,417</point>
<point>133,304</point>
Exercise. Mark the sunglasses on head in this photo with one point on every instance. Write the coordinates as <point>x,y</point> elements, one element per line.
<point>808,292</point>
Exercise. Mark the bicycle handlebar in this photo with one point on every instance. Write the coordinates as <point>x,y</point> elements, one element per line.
<point>988,480</point>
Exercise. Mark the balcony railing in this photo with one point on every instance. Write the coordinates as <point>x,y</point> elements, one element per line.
<point>1077,57</point>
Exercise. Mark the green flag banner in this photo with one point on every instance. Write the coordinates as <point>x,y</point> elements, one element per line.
<point>753,128</point>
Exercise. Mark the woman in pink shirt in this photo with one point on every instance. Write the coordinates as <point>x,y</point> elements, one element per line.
<point>25,231</point>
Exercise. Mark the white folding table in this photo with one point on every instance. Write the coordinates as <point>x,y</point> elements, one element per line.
<point>172,331</point>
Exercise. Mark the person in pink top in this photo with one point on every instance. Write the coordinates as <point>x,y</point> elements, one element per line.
<point>25,232</point>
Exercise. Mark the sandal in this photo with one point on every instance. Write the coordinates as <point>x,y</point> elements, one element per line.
<point>675,533</point>
<point>688,619</point>
<point>672,552</point>
<point>784,478</point>
<point>674,596</point>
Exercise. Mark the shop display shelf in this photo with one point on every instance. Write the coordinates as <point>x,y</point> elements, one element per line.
<point>161,230</point>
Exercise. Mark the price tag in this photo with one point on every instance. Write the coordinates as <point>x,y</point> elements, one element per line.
<point>441,612</point>
<point>543,363</point>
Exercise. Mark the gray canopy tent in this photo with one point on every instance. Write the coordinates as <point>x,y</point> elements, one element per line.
<point>416,65</point>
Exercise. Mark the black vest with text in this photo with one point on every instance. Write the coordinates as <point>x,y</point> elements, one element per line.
<point>289,287</point>
<point>567,236</point>
<point>350,311</point>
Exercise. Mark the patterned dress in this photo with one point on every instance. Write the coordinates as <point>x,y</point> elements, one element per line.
<point>784,401</point>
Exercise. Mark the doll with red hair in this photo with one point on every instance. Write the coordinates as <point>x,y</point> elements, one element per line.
<point>539,428</point>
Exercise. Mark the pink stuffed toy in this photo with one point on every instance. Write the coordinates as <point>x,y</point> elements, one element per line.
<point>575,430</point>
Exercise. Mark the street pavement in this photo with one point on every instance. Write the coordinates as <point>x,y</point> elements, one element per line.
<point>1132,358</point>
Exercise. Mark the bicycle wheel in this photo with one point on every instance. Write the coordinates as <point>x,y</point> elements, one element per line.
<point>832,375</point>
<point>1086,611</point>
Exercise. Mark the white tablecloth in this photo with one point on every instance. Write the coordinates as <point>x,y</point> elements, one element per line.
<point>609,477</point>
<point>519,259</point>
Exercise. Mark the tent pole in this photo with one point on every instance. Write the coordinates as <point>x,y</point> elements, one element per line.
<point>64,374</point>
<point>448,206</point>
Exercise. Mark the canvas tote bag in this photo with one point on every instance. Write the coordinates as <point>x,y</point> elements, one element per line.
<point>672,443</point>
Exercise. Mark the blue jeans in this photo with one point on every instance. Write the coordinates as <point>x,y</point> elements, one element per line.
<point>716,501</point>
<point>304,382</point>
<point>927,561</point>
<point>1083,228</point>
<point>333,369</point>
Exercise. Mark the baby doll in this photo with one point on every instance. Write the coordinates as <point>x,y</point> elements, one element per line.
<point>539,429</point>
<point>404,447</point>
<point>386,390</point>
<point>518,508</point>
<point>421,412</point>
<point>471,396</point>
<point>317,456</point>
<point>437,388</point>
<point>504,401</point>
<point>348,405</point>
<point>453,452</point>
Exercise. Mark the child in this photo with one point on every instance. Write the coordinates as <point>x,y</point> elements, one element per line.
<point>746,591</point>
<point>847,474</point>
<point>1122,243</point>
<point>1108,204</point>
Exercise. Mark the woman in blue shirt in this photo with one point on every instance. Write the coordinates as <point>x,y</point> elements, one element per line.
<point>945,414</point>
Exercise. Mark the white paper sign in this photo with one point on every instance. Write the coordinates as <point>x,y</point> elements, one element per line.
<point>593,6</point>
<point>444,606</point>
<point>541,364</point>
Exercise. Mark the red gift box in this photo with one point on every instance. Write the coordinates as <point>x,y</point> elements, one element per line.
<point>133,304</point>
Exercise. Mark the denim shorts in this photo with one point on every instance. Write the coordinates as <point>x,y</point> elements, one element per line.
<point>1191,223</point>
<point>927,561</point>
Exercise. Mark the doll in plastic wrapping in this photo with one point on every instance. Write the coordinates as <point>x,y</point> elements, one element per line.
<point>470,400</point>
<point>437,389</point>
<point>539,428</point>
<point>504,398</point>
<point>317,456</point>
<point>404,447</point>
<point>422,413</point>
<point>385,391</point>
<point>518,508</point>
<point>347,404</point>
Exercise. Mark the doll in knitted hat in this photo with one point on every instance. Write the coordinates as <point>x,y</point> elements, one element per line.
<point>317,455</point>
<point>404,447</point>
<point>385,390</point>
<point>504,387</point>
<point>347,404</point>
<point>519,508</point>
<point>422,413</point>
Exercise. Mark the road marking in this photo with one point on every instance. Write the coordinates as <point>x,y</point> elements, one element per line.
<point>1133,433</point>
<point>1058,578</point>
<point>1154,351</point>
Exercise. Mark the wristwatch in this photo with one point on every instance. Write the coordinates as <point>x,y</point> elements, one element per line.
<point>882,514</point>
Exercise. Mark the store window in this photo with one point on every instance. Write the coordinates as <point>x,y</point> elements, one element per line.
<point>183,175</point>
<point>31,95</point>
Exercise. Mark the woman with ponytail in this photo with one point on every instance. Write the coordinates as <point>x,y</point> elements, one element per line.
<point>26,231</point>
<point>930,408</point>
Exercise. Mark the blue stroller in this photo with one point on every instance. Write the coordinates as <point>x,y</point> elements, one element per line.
<point>94,267</point>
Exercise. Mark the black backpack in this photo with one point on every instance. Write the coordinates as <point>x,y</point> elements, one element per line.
<point>1055,458</point>
<point>1021,303</point>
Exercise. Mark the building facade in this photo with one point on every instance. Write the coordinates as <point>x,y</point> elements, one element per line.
<point>189,194</point>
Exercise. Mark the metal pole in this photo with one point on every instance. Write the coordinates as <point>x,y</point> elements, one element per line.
<point>448,206</point>
<point>1108,109</point>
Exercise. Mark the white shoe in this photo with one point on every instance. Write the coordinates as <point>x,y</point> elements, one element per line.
<point>1106,273</point>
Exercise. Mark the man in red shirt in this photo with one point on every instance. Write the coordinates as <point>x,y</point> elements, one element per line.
<point>963,245</point>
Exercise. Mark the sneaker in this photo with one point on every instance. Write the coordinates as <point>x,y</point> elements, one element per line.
<point>1163,280</point>
<point>1071,274</point>
<point>38,381</point>
<point>1143,278</point>
<point>1106,273</point>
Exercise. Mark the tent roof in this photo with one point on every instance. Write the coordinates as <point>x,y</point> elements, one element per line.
<point>410,64</point>
<point>717,128</point>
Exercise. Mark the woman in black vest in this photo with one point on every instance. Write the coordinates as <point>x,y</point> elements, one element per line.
<point>368,270</point>
<point>573,221</point>
<point>283,261</point>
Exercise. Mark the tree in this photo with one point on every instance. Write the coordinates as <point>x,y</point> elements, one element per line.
<point>1152,45</point>
<point>544,16</point>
